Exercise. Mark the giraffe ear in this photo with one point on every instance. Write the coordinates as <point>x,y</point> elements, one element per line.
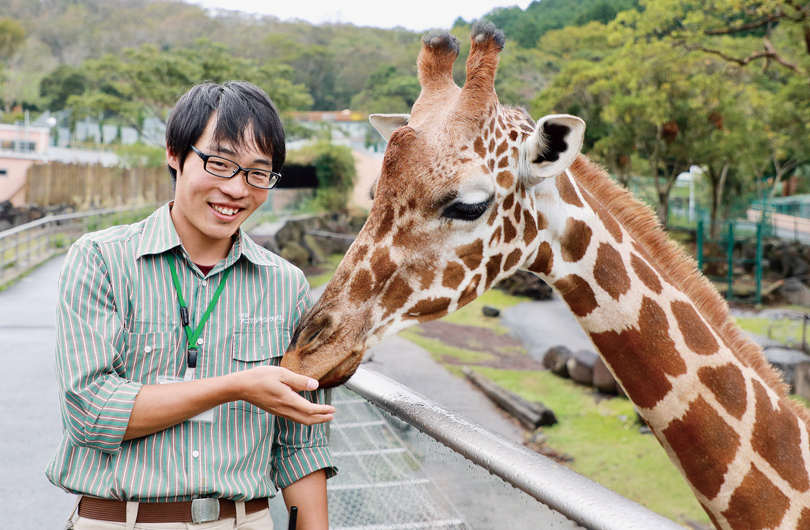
<point>386,124</point>
<point>551,148</point>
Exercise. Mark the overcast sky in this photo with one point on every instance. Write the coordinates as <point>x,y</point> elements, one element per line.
<point>416,15</point>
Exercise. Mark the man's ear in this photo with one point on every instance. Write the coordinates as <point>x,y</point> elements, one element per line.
<point>551,148</point>
<point>386,124</point>
<point>172,159</point>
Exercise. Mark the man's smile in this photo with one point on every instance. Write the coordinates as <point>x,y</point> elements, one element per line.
<point>228,211</point>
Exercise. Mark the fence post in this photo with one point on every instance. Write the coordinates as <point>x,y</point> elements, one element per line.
<point>759,264</point>
<point>730,261</point>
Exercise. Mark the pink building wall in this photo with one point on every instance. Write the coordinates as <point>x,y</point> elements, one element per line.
<point>20,148</point>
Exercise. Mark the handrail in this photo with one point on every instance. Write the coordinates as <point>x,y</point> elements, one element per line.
<point>578,498</point>
<point>69,217</point>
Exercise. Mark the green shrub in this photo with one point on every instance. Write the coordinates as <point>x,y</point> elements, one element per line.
<point>336,172</point>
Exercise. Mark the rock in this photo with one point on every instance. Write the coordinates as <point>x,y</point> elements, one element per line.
<point>295,254</point>
<point>603,380</point>
<point>524,283</point>
<point>490,311</point>
<point>785,360</point>
<point>794,292</point>
<point>556,360</point>
<point>580,366</point>
<point>316,253</point>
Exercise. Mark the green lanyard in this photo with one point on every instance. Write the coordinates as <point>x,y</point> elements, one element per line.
<point>195,334</point>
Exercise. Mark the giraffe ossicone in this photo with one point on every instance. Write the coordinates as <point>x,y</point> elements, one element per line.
<point>470,191</point>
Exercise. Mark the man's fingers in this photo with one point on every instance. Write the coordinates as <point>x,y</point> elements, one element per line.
<point>298,381</point>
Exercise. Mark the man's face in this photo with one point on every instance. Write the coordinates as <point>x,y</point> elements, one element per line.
<point>208,209</point>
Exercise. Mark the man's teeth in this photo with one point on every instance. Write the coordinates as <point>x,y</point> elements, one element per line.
<point>225,211</point>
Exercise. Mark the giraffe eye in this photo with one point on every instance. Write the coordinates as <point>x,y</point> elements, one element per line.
<point>466,212</point>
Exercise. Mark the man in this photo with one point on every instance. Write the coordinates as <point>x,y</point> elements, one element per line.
<point>169,336</point>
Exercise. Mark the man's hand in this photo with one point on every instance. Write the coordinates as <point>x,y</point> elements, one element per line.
<point>275,390</point>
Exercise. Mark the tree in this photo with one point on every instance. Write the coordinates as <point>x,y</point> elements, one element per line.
<point>387,91</point>
<point>12,36</point>
<point>61,83</point>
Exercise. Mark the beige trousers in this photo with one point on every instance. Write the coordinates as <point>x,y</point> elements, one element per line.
<point>260,520</point>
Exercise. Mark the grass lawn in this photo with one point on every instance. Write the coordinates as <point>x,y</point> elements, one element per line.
<point>786,331</point>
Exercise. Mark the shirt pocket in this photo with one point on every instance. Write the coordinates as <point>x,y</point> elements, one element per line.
<point>257,347</point>
<point>148,356</point>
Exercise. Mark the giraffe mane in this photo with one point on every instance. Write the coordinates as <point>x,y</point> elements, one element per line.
<point>678,268</point>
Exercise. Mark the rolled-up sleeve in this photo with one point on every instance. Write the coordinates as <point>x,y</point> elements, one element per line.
<point>299,450</point>
<point>97,400</point>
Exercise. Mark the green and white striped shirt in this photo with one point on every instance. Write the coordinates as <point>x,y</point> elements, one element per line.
<point>118,328</point>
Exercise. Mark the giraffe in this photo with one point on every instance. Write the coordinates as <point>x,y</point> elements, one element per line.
<point>471,191</point>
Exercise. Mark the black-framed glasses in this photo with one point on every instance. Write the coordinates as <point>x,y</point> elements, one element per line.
<point>221,167</point>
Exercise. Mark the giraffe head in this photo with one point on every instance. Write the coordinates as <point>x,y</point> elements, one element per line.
<point>453,210</point>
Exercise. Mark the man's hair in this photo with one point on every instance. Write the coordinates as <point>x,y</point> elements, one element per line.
<point>240,106</point>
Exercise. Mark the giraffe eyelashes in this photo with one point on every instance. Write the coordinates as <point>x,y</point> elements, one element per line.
<point>466,212</point>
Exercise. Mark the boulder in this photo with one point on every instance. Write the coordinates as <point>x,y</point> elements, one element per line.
<point>556,360</point>
<point>603,380</point>
<point>316,253</point>
<point>580,366</point>
<point>490,311</point>
<point>295,254</point>
<point>785,360</point>
<point>794,292</point>
<point>524,283</point>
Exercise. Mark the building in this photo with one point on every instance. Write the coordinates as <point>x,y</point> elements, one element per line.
<point>21,147</point>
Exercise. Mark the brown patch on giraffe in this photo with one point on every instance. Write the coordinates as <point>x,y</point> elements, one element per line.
<point>491,144</point>
<point>804,519</point>
<point>509,201</point>
<point>728,386</point>
<point>396,295</point>
<point>512,259</point>
<point>478,145</point>
<point>712,517</point>
<point>643,357</point>
<point>610,272</point>
<point>384,226</point>
<point>542,221</point>
<point>529,229</point>
<point>453,275</point>
<point>503,162</point>
<point>471,254</point>
<point>381,265</point>
<point>428,309</point>
<point>496,237</point>
<point>493,216</point>
<point>493,268</point>
<point>491,165</point>
<point>505,179</point>
<point>576,292</point>
<point>406,236</point>
<point>513,135</point>
<point>777,439</point>
<point>756,499</point>
<point>470,292</point>
<point>359,253</point>
<point>696,334</point>
<point>518,213</point>
<point>360,289</point>
<point>608,221</point>
<point>543,260</point>
<point>502,147</point>
<point>509,231</point>
<point>575,241</point>
<point>704,444</point>
<point>646,274</point>
<point>426,277</point>
<point>498,134</point>
<point>567,191</point>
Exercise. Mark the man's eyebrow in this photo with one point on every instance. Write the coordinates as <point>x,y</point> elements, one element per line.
<point>223,149</point>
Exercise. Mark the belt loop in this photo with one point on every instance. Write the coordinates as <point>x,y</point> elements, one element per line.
<point>132,514</point>
<point>240,513</point>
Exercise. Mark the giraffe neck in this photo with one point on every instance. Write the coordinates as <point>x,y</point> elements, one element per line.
<point>705,391</point>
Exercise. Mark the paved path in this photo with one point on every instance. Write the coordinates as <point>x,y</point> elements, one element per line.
<point>30,422</point>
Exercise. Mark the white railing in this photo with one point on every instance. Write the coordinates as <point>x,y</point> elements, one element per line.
<point>578,498</point>
<point>28,245</point>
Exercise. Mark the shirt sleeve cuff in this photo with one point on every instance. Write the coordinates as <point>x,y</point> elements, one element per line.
<point>292,464</point>
<point>108,414</point>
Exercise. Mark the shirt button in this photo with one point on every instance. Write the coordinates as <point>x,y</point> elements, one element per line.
<point>204,283</point>
<point>200,342</point>
<point>148,349</point>
<point>195,454</point>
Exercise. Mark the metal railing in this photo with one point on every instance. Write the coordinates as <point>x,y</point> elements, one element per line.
<point>27,245</point>
<point>578,498</point>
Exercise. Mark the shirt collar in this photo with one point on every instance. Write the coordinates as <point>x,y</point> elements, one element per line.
<point>159,235</point>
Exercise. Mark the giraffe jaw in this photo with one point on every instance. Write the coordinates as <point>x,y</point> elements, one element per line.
<point>302,361</point>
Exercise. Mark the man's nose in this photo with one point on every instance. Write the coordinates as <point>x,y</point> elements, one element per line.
<point>237,185</point>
